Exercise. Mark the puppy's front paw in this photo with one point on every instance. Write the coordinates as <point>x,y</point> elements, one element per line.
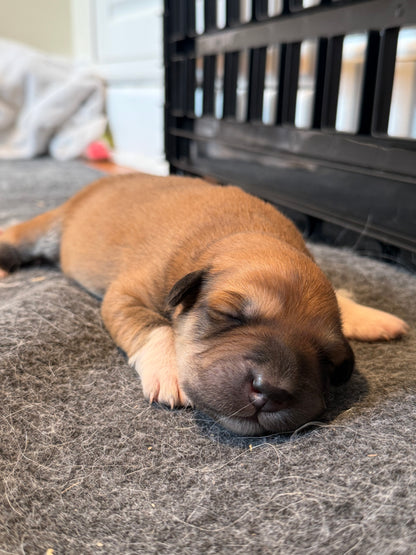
<point>155,362</point>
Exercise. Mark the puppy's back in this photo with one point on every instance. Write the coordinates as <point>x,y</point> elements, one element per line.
<point>141,220</point>
<point>119,224</point>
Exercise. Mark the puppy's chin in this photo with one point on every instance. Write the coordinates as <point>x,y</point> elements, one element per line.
<point>286,421</point>
<point>263,422</point>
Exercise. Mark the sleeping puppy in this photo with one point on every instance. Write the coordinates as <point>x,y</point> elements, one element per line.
<point>211,293</point>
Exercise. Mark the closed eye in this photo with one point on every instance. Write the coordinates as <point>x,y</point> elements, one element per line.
<point>226,317</point>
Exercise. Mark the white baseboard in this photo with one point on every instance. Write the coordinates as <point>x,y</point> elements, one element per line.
<point>154,166</point>
<point>136,116</point>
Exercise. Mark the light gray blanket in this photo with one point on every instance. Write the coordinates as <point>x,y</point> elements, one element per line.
<point>87,466</point>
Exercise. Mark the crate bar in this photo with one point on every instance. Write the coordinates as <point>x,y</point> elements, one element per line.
<point>280,95</point>
<point>326,22</point>
<point>257,70</point>
<point>369,84</point>
<point>178,19</point>
<point>319,83</point>
<point>285,196</point>
<point>169,140</point>
<point>190,18</point>
<point>210,15</point>
<point>385,77</point>
<point>362,154</point>
<point>290,82</point>
<point>384,158</point>
<point>178,86</point>
<point>260,9</point>
<point>233,12</point>
<point>190,86</point>
<point>331,83</point>
<point>208,86</point>
<point>230,84</point>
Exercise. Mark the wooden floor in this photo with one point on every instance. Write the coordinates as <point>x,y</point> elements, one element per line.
<point>110,167</point>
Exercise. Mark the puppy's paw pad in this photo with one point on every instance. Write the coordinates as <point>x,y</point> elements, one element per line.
<point>3,273</point>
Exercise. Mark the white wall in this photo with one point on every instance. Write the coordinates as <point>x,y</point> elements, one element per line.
<point>43,24</point>
<point>123,41</point>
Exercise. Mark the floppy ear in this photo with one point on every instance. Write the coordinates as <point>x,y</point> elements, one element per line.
<point>342,361</point>
<point>186,290</point>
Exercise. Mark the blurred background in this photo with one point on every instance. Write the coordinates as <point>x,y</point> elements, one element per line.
<point>123,40</point>
<point>310,104</point>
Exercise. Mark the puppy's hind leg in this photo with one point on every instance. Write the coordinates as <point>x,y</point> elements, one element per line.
<point>368,324</point>
<point>28,241</point>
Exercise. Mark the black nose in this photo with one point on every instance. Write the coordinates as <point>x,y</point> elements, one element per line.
<point>267,397</point>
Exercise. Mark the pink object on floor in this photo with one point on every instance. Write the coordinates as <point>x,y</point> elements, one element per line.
<point>97,150</point>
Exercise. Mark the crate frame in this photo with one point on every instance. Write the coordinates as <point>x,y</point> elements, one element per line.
<point>329,181</point>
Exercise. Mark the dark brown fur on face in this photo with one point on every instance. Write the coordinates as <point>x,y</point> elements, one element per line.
<point>211,293</point>
<point>258,345</point>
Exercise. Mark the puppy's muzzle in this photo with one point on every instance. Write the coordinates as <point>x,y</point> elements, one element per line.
<point>266,398</point>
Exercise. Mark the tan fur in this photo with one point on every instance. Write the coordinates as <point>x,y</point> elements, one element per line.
<point>155,363</point>
<point>205,287</point>
<point>368,324</point>
<point>37,237</point>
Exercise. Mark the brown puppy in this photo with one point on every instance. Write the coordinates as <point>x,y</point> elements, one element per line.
<point>212,294</point>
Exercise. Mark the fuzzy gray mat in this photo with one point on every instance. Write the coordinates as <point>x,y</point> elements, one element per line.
<point>88,467</point>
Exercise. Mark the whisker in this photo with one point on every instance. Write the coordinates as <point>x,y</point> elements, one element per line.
<point>234,414</point>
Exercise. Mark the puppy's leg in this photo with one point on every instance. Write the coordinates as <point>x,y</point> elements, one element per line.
<point>22,243</point>
<point>148,340</point>
<point>368,324</point>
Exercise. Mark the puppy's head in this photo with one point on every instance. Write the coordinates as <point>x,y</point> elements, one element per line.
<point>259,339</point>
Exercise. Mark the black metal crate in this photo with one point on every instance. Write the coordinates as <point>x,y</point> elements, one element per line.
<point>308,107</point>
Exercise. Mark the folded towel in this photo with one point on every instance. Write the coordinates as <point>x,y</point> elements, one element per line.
<point>47,104</point>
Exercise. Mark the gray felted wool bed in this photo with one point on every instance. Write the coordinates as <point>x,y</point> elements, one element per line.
<point>88,467</point>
